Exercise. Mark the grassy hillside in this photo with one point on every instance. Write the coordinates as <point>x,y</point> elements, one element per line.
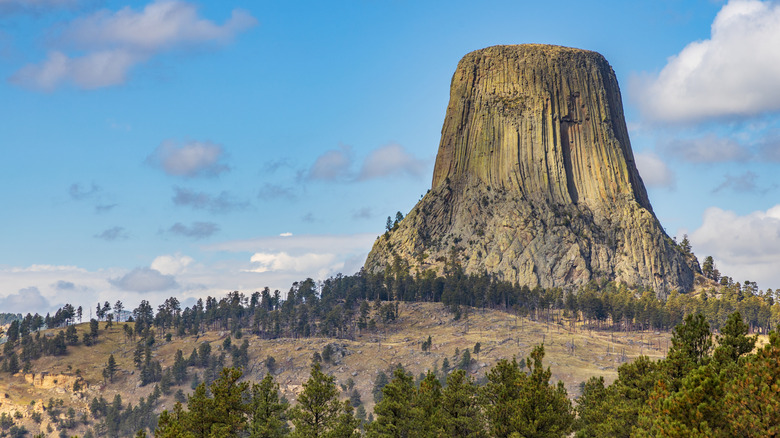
<point>573,353</point>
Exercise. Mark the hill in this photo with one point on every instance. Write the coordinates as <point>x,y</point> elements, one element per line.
<point>573,353</point>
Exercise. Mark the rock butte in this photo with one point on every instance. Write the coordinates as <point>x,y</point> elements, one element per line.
<point>535,180</point>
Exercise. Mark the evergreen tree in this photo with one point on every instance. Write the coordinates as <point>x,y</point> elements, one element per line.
<point>268,412</point>
<point>395,413</point>
<point>319,413</point>
<point>526,405</point>
<point>461,414</point>
<point>110,370</point>
<point>223,414</point>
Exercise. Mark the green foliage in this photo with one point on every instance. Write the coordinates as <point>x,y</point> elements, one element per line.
<point>395,413</point>
<point>319,413</point>
<point>460,407</point>
<point>219,411</point>
<point>526,404</point>
<point>269,412</point>
<point>110,370</point>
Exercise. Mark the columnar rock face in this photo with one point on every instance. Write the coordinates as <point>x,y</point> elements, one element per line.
<point>535,180</point>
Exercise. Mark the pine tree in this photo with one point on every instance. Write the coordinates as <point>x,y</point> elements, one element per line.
<point>268,412</point>
<point>461,414</point>
<point>110,370</point>
<point>319,413</point>
<point>527,405</point>
<point>395,416</point>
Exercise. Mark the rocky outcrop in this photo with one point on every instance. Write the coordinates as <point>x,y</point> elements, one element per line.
<point>535,180</point>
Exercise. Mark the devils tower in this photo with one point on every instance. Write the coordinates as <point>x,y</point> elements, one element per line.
<point>535,181</point>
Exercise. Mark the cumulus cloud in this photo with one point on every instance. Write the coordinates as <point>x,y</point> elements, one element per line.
<point>282,261</point>
<point>274,191</point>
<point>706,149</point>
<point>744,247</point>
<point>26,300</point>
<point>171,264</point>
<point>391,159</point>
<point>193,159</point>
<point>111,234</point>
<point>333,165</point>
<point>222,203</point>
<point>655,173</point>
<point>198,230</point>
<point>109,44</point>
<point>144,280</point>
<point>731,74</point>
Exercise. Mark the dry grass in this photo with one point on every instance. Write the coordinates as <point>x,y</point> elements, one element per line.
<point>572,355</point>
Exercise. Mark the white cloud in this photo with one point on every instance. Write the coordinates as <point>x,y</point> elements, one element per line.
<point>654,172</point>
<point>189,160</point>
<point>732,74</point>
<point>144,280</point>
<point>171,264</point>
<point>306,264</point>
<point>288,234</point>
<point>385,161</point>
<point>744,247</point>
<point>391,159</point>
<point>333,165</point>
<point>27,300</point>
<point>114,42</point>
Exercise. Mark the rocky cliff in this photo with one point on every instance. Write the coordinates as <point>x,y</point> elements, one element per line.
<point>535,180</point>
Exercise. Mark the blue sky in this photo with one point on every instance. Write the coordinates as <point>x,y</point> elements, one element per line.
<point>158,148</point>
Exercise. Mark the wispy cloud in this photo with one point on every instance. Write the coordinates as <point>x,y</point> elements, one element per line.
<point>731,74</point>
<point>706,149</point>
<point>746,182</point>
<point>275,191</point>
<point>34,6</point>
<point>79,192</point>
<point>221,203</point>
<point>193,159</point>
<point>107,45</point>
<point>333,165</point>
<point>363,213</point>
<point>391,160</point>
<point>197,230</point>
<point>104,208</point>
<point>112,234</point>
